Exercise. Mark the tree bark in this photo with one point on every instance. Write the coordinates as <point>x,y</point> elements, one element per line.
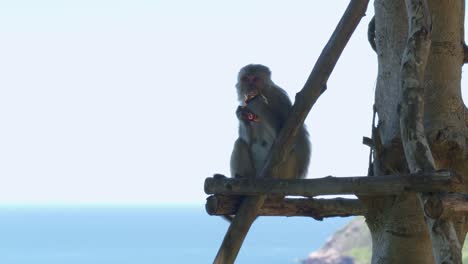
<point>445,244</point>
<point>398,228</point>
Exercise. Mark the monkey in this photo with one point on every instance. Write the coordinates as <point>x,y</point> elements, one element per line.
<point>263,110</point>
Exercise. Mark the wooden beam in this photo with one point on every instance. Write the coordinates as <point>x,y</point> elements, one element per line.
<point>309,207</point>
<point>372,186</point>
<point>446,205</point>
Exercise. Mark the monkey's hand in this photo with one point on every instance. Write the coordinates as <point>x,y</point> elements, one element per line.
<point>251,96</point>
<point>244,114</point>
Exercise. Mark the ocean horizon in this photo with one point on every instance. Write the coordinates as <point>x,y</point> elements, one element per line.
<point>144,234</point>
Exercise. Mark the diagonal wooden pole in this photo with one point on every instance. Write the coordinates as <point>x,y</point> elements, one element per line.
<point>304,101</point>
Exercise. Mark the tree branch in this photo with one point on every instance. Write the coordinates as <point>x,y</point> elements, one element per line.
<point>445,244</point>
<point>304,101</point>
<point>417,152</point>
<point>316,208</point>
<point>372,186</point>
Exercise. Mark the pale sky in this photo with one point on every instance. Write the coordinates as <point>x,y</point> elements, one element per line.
<point>133,101</point>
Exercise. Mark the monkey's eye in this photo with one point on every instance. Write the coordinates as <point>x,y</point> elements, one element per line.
<point>244,79</point>
<point>250,79</point>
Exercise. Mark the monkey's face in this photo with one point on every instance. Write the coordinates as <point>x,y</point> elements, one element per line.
<point>252,84</point>
<point>252,80</point>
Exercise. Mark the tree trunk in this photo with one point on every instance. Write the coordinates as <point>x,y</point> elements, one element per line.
<point>399,231</point>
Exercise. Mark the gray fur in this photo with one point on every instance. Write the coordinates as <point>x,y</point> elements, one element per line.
<point>272,106</point>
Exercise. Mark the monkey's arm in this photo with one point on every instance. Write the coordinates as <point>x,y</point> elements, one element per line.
<point>263,127</point>
<point>267,116</point>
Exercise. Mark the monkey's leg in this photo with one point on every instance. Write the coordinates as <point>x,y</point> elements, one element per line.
<point>241,164</point>
<point>241,160</point>
<point>302,151</point>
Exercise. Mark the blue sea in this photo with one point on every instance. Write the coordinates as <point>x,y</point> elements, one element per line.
<point>148,235</point>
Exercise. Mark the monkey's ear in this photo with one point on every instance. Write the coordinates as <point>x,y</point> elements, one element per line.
<point>219,176</point>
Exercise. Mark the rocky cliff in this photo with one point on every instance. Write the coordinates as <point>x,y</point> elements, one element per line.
<point>349,245</point>
<point>352,245</point>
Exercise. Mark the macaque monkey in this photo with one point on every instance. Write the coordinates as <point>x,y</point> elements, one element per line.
<point>262,112</point>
